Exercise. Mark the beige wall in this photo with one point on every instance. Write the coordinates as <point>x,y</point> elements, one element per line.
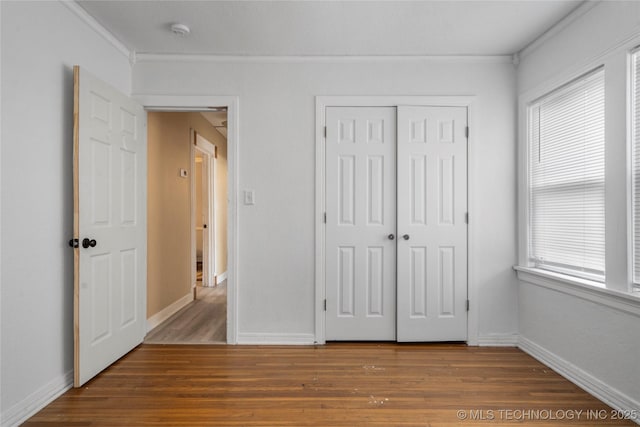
<point>169,205</point>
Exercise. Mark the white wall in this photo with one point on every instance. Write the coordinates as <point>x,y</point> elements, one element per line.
<point>593,342</point>
<point>602,27</point>
<point>277,158</point>
<point>41,41</point>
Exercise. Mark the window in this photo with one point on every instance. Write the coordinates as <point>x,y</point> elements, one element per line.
<point>566,179</point>
<point>635,135</point>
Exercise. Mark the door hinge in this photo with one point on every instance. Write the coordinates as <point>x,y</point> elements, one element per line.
<point>325,132</point>
<point>466,217</point>
<point>467,305</point>
<point>466,132</point>
<point>325,304</point>
<point>325,217</point>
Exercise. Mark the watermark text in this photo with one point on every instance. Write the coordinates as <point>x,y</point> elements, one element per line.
<point>527,414</point>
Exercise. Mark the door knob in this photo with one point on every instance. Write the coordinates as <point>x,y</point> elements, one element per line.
<point>74,243</point>
<point>88,243</point>
<point>405,237</point>
<point>391,236</point>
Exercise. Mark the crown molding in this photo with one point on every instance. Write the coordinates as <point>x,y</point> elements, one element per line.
<point>159,57</point>
<point>98,28</point>
<point>576,13</point>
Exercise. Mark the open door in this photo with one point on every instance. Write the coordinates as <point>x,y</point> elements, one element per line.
<point>204,198</point>
<point>109,183</point>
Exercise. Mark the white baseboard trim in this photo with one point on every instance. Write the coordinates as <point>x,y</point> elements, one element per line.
<point>498,340</point>
<point>246,338</point>
<point>29,406</point>
<point>582,379</point>
<point>168,311</point>
<point>221,277</point>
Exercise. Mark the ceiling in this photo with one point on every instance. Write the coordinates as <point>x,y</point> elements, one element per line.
<point>307,27</point>
<point>218,120</point>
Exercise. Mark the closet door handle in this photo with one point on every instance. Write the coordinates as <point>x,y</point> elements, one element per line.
<point>405,237</point>
<point>391,237</point>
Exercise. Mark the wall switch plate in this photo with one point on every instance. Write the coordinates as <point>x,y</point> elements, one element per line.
<point>249,197</point>
<point>184,173</point>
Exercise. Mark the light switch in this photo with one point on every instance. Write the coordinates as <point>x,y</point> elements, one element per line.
<point>249,197</point>
<point>183,173</point>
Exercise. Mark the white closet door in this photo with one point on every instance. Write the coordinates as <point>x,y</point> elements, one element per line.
<point>432,229</point>
<point>361,223</point>
<point>110,223</point>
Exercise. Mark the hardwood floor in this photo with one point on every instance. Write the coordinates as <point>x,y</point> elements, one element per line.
<point>203,321</point>
<point>340,384</point>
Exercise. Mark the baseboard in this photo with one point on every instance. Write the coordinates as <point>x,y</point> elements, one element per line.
<point>582,379</point>
<point>498,340</point>
<point>275,339</point>
<point>221,278</point>
<point>29,406</point>
<point>168,311</point>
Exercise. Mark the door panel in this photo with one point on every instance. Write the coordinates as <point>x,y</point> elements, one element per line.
<point>110,213</point>
<point>360,257</point>
<point>432,205</point>
<point>207,198</point>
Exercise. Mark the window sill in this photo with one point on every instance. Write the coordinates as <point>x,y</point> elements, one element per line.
<point>628,302</point>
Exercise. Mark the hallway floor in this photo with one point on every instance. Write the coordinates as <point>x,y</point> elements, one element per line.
<point>202,321</point>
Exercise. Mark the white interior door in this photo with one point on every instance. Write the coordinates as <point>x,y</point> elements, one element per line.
<point>432,229</point>
<point>412,287</point>
<point>207,150</point>
<point>361,223</point>
<point>110,170</point>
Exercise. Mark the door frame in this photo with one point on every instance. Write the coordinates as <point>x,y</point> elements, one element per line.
<point>197,103</point>
<point>209,150</point>
<point>322,102</point>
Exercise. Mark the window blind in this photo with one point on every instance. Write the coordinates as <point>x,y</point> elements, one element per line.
<point>566,181</point>
<point>635,133</point>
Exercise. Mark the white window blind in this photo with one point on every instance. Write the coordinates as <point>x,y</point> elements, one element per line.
<point>566,181</point>
<point>635,132</point>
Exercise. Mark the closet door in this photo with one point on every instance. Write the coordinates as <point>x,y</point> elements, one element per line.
<point>432,229</point>
<point>361,223</point>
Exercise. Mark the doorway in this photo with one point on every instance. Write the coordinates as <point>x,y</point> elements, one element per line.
<point>187,228</point>
<point>393,206</point>
<point>119,196</point>
<point>203,205</point>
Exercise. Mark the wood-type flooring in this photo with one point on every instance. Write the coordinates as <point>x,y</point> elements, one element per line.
<point>336,385</point>
<point>202,321</point>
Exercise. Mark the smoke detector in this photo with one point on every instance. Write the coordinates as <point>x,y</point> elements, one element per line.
<point>180,30</point>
